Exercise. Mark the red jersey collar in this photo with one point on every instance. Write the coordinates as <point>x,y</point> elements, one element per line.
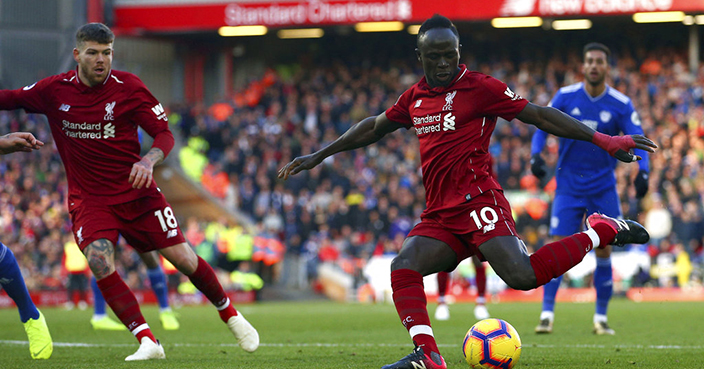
<point>438,90</point>
<point>85,87</point>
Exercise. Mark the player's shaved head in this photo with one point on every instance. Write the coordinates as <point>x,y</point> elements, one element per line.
<point>436,21</point>
<point>96,32</point>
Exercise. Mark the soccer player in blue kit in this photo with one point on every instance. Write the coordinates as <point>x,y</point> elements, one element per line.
<point>585,177</point>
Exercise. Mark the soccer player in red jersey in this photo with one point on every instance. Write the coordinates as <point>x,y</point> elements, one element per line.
<point>94,113</point>
<point>453,112</point>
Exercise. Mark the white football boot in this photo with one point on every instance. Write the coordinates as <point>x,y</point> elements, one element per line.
<point>246,335</point>
<point>442,312</point>
<point>147,350</point>
<point>481,312</point>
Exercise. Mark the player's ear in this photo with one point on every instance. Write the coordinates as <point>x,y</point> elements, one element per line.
<point>75,54</point>
<point>418,54</point>
<point>459,48</point>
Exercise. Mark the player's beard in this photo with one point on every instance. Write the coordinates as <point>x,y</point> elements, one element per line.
<point>92,78</point>
<point>596,82</point>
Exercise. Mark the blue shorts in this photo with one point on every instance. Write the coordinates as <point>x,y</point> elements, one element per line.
<point>569,212</point>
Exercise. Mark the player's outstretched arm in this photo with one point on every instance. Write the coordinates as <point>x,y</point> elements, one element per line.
<point>560,124</point>
<point>364,133</point>
<point>19,141</point>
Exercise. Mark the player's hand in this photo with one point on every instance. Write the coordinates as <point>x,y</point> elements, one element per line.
<point>298,164</point>
<point>19,141</point>
<point>620,146</point>
<point>538,166</point>
<point>641,184</point>
<point>141,174</point>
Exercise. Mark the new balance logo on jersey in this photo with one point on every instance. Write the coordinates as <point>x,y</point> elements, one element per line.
<point>448,100</point>
<point>64,107</point>
<point>448,122</point>
<point>172,233</point>
<point>109,131</point>
<point>575,112</point>
<point>109,107</point>
<point>158,110</point>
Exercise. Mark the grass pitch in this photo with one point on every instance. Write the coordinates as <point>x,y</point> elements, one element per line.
<point>333,335</point>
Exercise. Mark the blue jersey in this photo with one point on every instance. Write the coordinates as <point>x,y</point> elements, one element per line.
<point>582,167</point>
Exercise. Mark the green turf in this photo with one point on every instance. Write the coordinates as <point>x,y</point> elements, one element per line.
<point>334,335</point>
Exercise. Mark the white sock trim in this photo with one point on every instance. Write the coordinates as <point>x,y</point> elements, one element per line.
<point>420,329</point>
<point>224,306</point>
<point>481,300</point>
<point>594,237</point>
<point>99,316</point>
<point>598,318</point>
<point>549,315</point>
<point>140,328</point>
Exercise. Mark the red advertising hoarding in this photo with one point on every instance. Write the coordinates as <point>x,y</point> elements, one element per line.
<point>180,16</point>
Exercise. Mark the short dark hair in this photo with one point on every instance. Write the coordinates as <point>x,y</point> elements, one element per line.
<point>437,21</point>
<point>96,32</point>
<point>596,46</point>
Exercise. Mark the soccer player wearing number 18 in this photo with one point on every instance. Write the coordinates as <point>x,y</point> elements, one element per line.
<point>585,175</point>
<point>94,113</point>
<point>453,112</point>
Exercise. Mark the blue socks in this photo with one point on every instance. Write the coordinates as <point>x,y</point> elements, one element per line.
<point>604,284</point>
<point>157,278</point>
<point>13,283</point>
<point>549,293</point>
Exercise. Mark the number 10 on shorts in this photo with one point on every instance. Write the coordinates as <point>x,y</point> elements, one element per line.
<point>166,218</point>
<point>488,218</point>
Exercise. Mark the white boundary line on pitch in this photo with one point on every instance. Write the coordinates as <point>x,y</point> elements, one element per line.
<point>79,344</point>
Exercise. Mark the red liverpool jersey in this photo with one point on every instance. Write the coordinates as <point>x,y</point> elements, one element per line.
<point>454,125</point>
<point>95,129</point>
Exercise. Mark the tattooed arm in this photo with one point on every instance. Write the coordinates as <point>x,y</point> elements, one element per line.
<point>143,170</point>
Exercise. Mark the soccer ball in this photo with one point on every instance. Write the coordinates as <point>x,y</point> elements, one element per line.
<point>492,343</point>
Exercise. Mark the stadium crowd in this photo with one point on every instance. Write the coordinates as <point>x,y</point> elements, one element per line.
<point>363,203</point>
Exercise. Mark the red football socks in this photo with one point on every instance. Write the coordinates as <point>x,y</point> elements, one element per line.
<point>480,279</point>
<point>206,281</point>
<point>442,283</point>
<point>606,234</point>
<point>410,301</point>
<point>554,259</point>
<point>124,304</point>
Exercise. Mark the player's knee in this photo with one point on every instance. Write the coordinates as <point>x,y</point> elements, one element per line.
<point>401,262</point>
<point>520,279</point>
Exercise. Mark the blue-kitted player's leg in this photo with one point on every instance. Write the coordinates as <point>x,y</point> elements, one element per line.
<point>609,204</point>
<point>566,218</point>
<point>157,279</point>
<point>40,343</point>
